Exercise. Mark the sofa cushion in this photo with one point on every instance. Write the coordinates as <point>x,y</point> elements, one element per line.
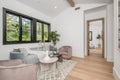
<point>23,50</point>
<point>16,50</point>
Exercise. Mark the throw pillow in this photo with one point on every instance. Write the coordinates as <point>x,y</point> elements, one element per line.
<point>23,50</point>
<point>16,50</point>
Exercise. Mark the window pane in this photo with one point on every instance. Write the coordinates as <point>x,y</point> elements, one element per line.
<point>12,27</point>
<point>39,31</point>
<point>26,29</point>
<point>45,32</point>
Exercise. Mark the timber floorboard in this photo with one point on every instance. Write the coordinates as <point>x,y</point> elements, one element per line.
<point>92,67</point>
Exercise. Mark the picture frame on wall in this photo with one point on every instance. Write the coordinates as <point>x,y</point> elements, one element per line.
<point>90,35</point>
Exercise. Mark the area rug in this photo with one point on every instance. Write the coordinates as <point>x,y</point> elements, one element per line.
<point>62,70</point>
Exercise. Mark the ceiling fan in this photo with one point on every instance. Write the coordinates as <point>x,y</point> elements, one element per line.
<point>71,2</point>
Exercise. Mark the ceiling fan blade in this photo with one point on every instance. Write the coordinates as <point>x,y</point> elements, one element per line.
<point>71,2</point>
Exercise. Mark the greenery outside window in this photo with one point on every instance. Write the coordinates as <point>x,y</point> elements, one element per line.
<point>19,28</point>
<point>12,27</point>
<point>39,31</point>
<point>26,29</point>
<point>46,32</point>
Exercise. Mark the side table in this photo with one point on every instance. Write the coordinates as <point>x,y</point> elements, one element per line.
<point>48,64</point>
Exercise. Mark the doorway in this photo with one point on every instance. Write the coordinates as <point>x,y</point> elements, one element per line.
<point>95,37</point>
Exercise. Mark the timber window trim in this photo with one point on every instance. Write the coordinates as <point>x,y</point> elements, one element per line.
<point>33,25</point>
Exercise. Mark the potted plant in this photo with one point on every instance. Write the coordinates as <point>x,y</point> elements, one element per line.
<point>99,38</point>
<point>54,36</point>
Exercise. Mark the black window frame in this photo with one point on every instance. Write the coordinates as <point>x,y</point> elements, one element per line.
<point>49,30</point>
<point>33,27</point>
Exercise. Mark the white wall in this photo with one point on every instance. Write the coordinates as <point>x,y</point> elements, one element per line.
<point>105,12</point>
<point>110,32</point>
<point>70,25</point>
<point>116,69</point>
<point>96,28</point>
<point>19,7</point>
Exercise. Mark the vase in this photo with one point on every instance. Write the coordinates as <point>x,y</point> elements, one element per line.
<point>46,56</point>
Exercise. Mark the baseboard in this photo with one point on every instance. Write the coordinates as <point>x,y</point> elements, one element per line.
<point>115,74</point>
<point>109,59</point>
<point>77,57</point>
<point>80,56</point>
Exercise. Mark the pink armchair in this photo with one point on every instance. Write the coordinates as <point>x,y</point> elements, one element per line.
<point>66,52</point>
<point>15,70</point>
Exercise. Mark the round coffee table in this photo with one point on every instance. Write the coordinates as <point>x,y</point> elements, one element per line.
<point>48,64</point>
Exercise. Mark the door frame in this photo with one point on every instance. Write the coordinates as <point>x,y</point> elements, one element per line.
<point>103,31</point>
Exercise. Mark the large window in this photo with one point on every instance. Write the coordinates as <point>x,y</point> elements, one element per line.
<point>26,29</point>
<point>46,29</point>
<point>39,31</point>
<point>19,28</point>
<point>12,27</point>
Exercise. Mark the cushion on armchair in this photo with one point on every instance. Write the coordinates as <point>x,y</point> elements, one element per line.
<point>10,62</point>
<point>17,71</point>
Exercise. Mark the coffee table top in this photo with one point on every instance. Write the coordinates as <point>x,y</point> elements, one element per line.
<point>52,60</point>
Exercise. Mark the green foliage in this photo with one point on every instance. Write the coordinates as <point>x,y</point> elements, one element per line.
<point>45,32</point>
<point>13,28</point>
<point>26,29</point>
<point>39,31</point>
<point>54,36</point>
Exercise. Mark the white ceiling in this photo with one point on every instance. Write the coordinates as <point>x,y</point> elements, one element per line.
<point>48,6</point>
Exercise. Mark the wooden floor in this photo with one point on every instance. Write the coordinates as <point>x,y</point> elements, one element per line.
<point>93,67</point>
<point>96,50</point>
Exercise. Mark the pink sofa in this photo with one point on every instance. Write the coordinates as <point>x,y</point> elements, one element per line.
<point>66,52</point>
<point>16,70</point>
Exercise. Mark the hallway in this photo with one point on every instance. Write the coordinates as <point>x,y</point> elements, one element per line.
<point>92,67</point>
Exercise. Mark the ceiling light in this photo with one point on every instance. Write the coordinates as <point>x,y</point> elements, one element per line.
<point>55,7</point>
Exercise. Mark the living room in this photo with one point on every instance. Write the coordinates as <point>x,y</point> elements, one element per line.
<point>68,22</point>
